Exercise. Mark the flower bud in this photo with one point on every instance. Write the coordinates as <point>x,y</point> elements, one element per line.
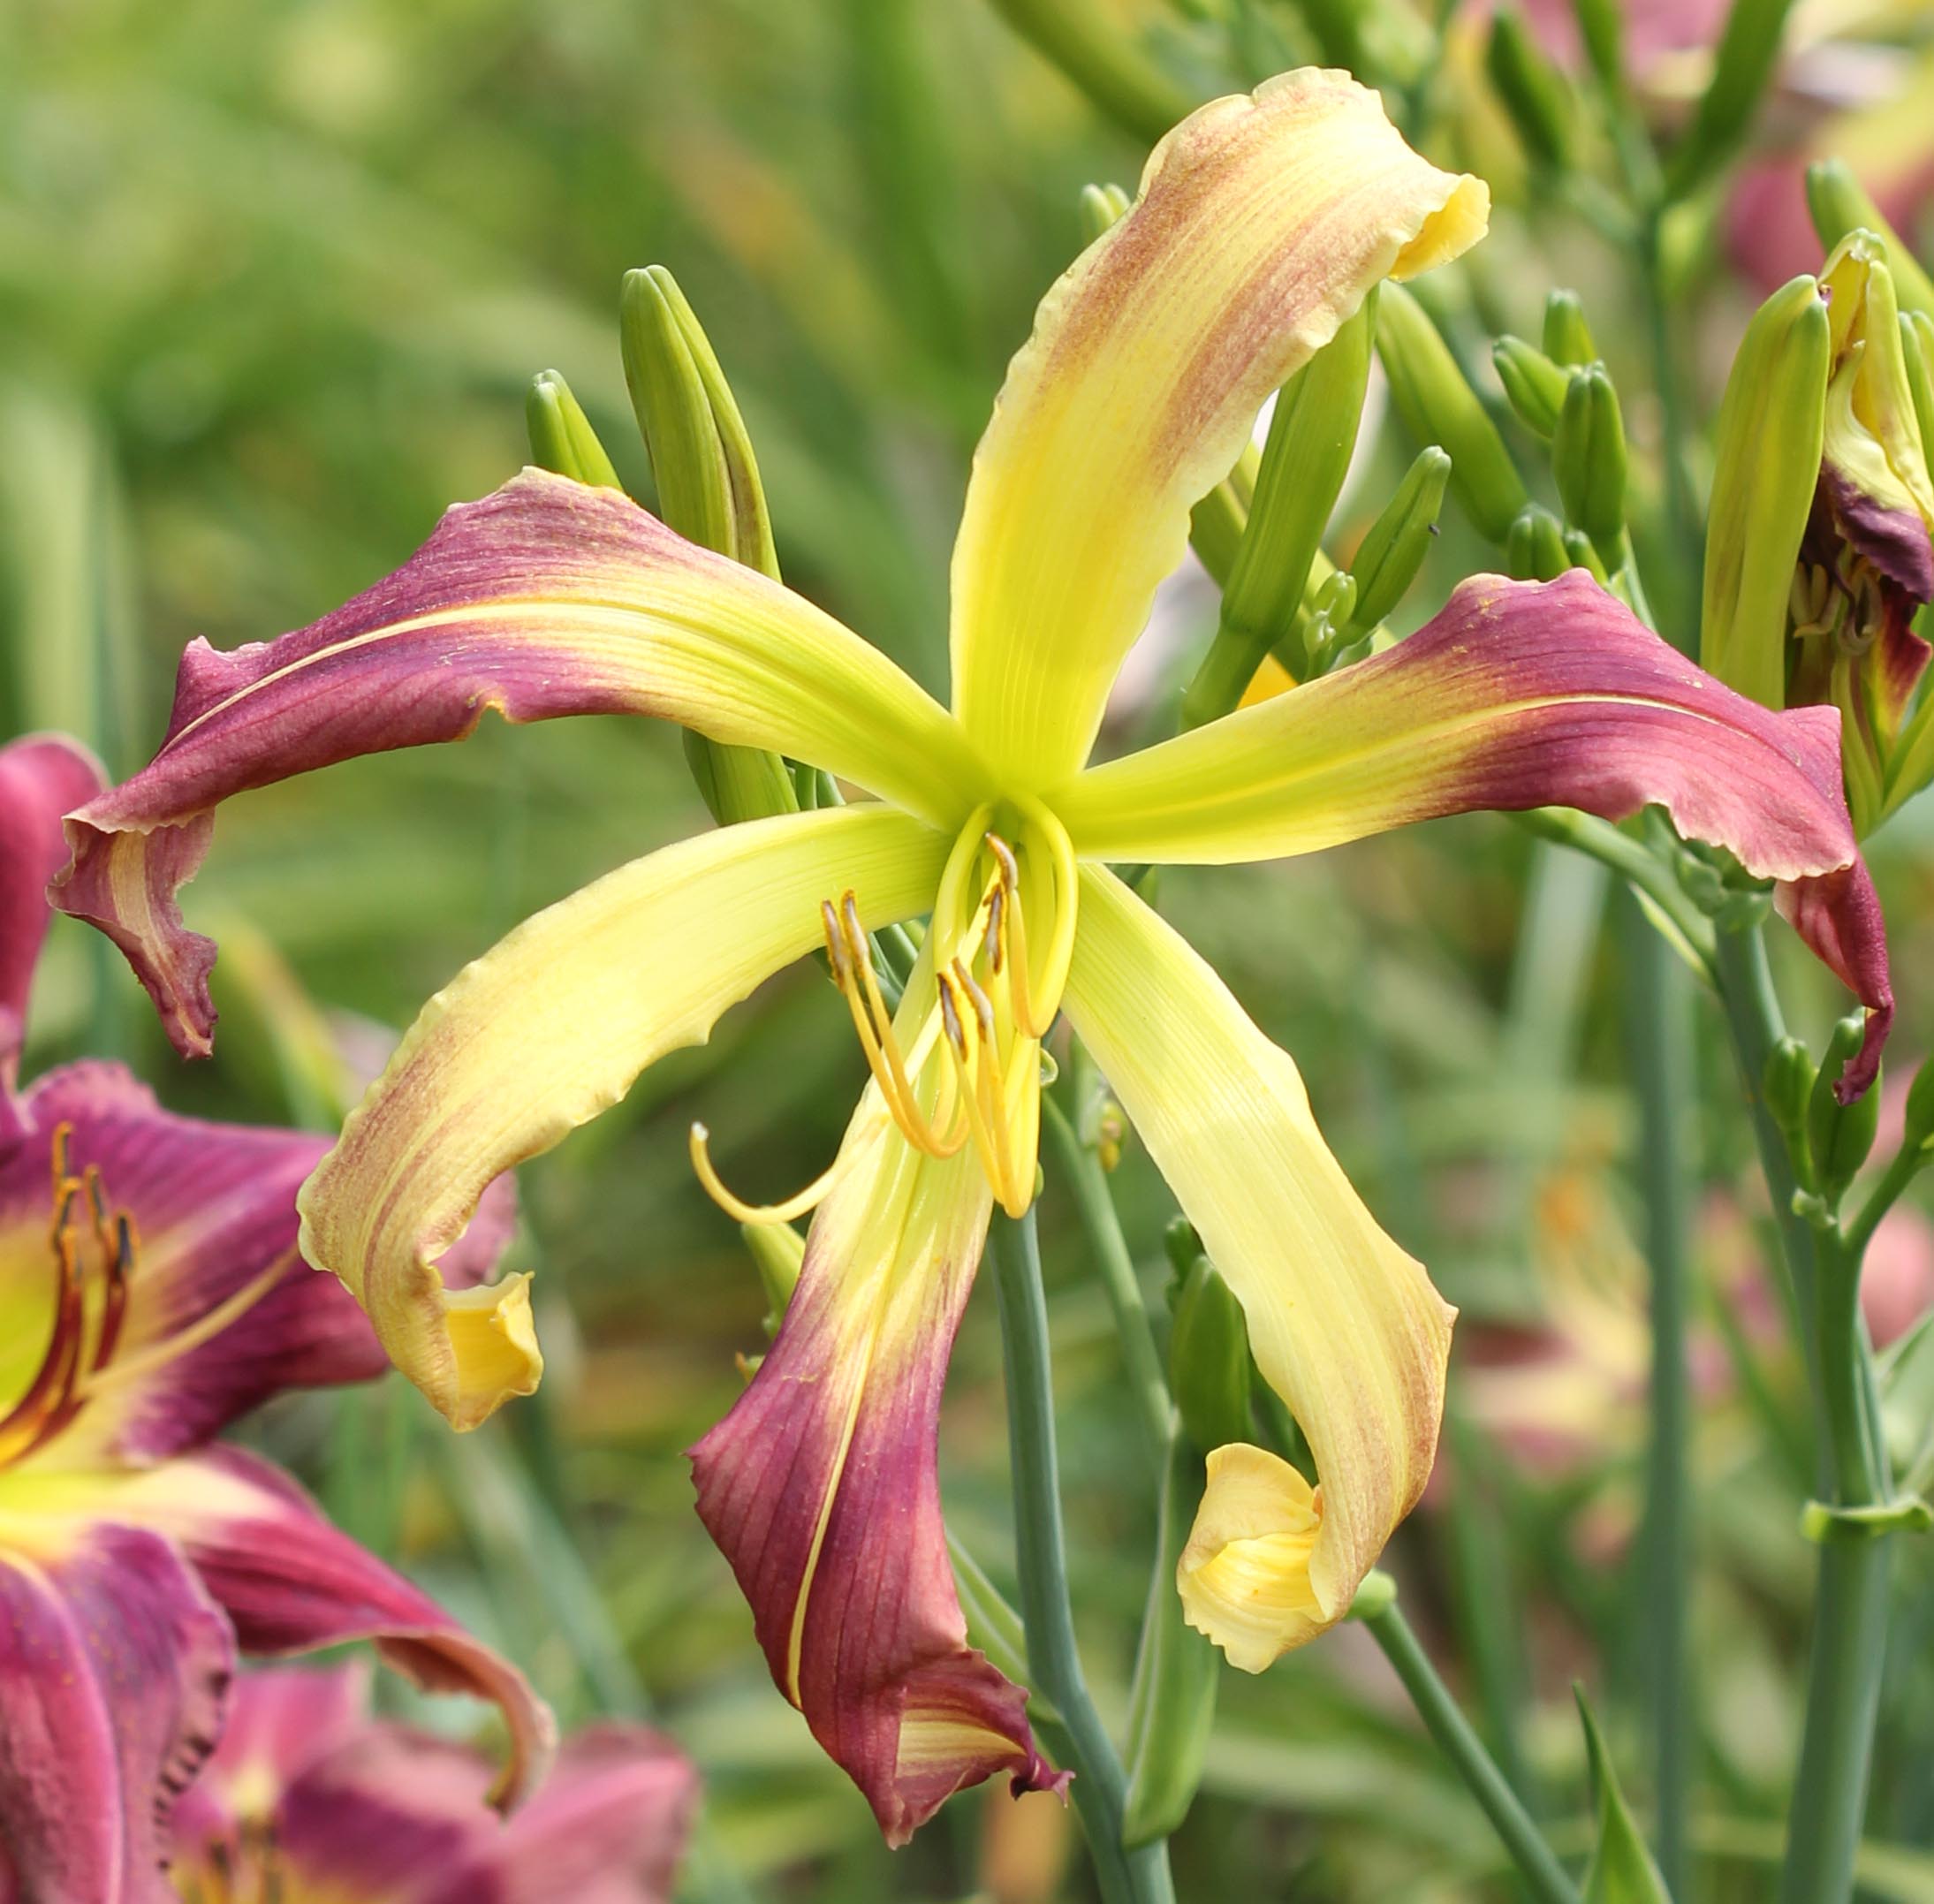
<point>1102,207</point>
<point>1771,425</point>
<point>777,1252</point>
<point>1209,1357</point>
<point>1838,1136</point>
<point>1393,548</point>
<point>1305,459</point>
<point>1578,547</point>
<point>1589,460</point>
<point>561,437</point>
<point>1567,337</point>
<point>1531,91</point>
<point>1534,385</point>
<point>1918,1124</point>
<point>1741,64</point>
<point>1535,547</point>
<point>1787,1086</point>
<point>708,490</point>
<point>1840,204</point>
<point>1438,406</point>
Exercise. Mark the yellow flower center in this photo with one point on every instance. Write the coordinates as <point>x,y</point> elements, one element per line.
<point>968,1067</point>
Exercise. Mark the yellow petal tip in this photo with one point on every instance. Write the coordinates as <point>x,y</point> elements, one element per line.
<point>492,1340</point>
<point>1449,232</point>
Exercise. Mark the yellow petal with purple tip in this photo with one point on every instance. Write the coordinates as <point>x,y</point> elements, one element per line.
<point>1262,224</point>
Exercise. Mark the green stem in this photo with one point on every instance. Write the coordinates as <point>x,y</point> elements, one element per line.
<point>1439,1712</point>
<point>1660,1034</point>
<point>1100,1786</point>
<point>1088,1182</point>
<point>1849,1643</point>
<point>1635,863</point>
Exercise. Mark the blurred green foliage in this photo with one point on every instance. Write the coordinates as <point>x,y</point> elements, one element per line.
<point>272,280</point>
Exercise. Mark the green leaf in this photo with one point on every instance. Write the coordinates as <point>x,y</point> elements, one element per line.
<point>1621,1869</point>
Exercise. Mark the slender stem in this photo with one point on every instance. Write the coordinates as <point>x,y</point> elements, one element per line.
<point>1100,1786</point>
<point>1089,1183</point>
<point>1849,1643</point>
<point>1447,1724</point>
<point>1659,1037</point>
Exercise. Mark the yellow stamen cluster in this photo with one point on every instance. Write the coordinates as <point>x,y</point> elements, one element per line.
<point>992,1008</point>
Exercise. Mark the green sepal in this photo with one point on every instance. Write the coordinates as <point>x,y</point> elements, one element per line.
<point>1534,385</point>
<point>1588,458</point>
<point>1172,1700</point>
<point>778,1251</point>
<point>1535,547</point>
<point>1534,95</point>
<point>1567,335</point>
<point>1748,49</point>
<point>1772,430</point>
<point>1838,1136</point>
<point>1840,204</point>
<point>1209,1357</point>
<point>1306,456</point>
<point>1102,207</point>
<point>561,437</point>
<point>1621,1871</point>
<point>1395,546</point>
<point>1438,406</point>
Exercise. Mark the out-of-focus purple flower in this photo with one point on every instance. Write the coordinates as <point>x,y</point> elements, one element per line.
<point>150,1291</point>
<point>310,1797</point>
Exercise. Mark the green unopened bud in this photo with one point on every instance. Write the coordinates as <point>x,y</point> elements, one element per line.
<point>1840,204</point>
<point>1567,337</point>
<point>1209,1358</point>
<point>1838,1136</point>
<point>777,1252</point>
<point>1438,406</point>
<point>1588,459</point>
<point>1578,547</point>
<point>1917,356</point>
<point>1375,1593</point>
<point>1773,422</point>
<point>1394,549</point>
<point>1531,92</point>
<point>1534,384</point>
<point>1305,459</point>
<point>1787,1086</point>
<point>1919,1121</point>
<point>561,437</point>
<point>1740,67</point>
<point>708,490</point>
<point>1102,207</point>
<point>1535,548</point>
<point>1172,1700</point>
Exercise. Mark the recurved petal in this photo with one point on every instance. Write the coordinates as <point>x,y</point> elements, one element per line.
<point>1244,1573</point>
<point>1518,695</point>
<point>290,1582</point>
<point>546,1031</point>
<point>114,1666</point>
<point>821,1489</point>
<point>546,598</point>
<point>1344,1326</point>
<point>42,776</point>
<point>1262,225</point>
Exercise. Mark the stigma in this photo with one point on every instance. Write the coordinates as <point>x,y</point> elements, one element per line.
<point>962,1063</point>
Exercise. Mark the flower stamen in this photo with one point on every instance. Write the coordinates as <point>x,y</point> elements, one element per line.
<point>735,1207</point>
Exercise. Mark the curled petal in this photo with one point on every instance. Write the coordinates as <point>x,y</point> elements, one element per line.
<point>114,1667</point>
<point>549,1029</point>
<point>1519,695</point>
<point>291,1582</point>
<point>1262,223</point>
<point>42,777</point>
<point>1244,1574</point>
<point>820,1489</point>
<point>546,598</point>
<point>1344,1326</point>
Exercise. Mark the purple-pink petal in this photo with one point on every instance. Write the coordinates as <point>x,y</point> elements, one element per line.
<point>41,778</point>
<point>114,1668</point>
<point>821,1489</point>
